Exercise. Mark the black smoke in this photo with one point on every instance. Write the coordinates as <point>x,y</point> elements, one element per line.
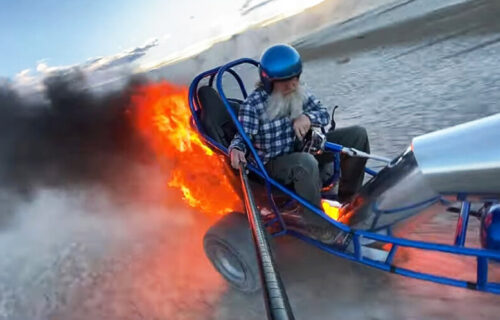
<point>74,137</point>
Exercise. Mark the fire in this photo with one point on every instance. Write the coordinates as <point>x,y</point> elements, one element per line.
<point>339,212</point>
<point>331,210</point>
<point>163,118</point>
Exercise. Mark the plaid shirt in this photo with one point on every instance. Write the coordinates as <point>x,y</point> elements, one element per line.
<point>272,138</point>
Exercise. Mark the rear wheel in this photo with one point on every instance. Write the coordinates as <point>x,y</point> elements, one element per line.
<point>229,246</point>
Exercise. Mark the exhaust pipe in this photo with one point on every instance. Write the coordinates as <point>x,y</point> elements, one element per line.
<point>464,159</point>
<point>461,161</point>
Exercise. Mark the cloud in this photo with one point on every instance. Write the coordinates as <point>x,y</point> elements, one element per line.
<point>24,76</point>
<point>43,68</point>
<point>123,58</point>
<point>98,71</point>
<point>26,84</point>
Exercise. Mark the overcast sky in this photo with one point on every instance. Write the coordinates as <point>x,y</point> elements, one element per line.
<point>40,35</point>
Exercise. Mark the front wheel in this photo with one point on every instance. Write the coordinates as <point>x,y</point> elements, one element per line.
<point>229,246</point>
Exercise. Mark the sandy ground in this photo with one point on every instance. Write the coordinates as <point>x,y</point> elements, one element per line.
<point>123,253</point>
<point>413,77</point>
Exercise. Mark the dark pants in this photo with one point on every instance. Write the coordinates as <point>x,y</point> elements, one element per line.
<point>304,171</point>
<point>352,168</point>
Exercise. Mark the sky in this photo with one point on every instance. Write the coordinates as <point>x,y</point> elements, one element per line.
<point>39,36</point>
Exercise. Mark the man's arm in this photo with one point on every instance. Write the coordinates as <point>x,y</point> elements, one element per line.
<point>237,143</point>
<point>249,120</point>
<point>315,111</point>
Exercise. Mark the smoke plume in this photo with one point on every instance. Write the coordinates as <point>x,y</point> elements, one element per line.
<point>73,137</point>
<point>85,231</point>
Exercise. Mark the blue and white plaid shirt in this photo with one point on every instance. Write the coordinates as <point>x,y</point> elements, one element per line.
<point>272,138</point>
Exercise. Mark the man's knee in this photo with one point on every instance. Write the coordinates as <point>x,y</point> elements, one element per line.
<point>360,132</point>
<point>359,138</point>
<point>306,164</point>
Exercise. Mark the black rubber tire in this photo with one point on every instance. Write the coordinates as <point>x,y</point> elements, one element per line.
<point>229,246</point>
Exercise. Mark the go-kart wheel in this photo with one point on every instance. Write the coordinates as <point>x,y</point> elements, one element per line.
<point>229,246</point>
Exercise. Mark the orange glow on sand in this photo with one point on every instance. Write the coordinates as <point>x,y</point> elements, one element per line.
<point>163,117</point>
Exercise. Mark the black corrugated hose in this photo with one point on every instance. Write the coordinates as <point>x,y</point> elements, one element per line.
<point>275,297</point>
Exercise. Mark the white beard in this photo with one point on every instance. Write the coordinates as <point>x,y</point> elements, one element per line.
<point>291,105</point>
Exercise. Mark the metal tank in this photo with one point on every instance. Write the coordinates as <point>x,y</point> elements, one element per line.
<point>464,159</point>
<point>459,161</point>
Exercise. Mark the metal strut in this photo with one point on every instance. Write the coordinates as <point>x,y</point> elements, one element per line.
<point>275,298</point>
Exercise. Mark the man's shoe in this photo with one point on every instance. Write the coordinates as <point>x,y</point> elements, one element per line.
<point>294,220</point>
<point>293,216</point>
<point>326,234</point>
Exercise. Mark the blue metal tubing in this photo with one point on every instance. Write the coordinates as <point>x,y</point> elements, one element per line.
<point>275,208</point>
<point>328,145</point>
<point>193,94</point>
<point>238,79</point>
<point>393,250</point>
<point>231,112</point>
<point>336,168</point>
<point>489,287</point>
<point>343,227</point>
<point>391,254</point>
<point>193,103</point>
<point>389,239</point>
<point>371,172</point>
<point>481,254</point>
<point>302,201</point>
<point>357,248</point>
<point>334,147</point>
<point>194,86</point>
<point>338,148</point>
<point>482,272</point>
<point>463,221</point>
<point>490,254</point>
<point>405,208</point>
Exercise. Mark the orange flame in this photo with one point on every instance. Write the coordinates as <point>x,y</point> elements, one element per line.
<point>163,118</point>
<point>331,211</point>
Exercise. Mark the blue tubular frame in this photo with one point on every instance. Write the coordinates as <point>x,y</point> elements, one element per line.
<point>482,255</point>
<point>463,221</point>
<point>220,73</point>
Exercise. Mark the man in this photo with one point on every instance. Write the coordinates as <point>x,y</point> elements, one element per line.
<point>280,112</point>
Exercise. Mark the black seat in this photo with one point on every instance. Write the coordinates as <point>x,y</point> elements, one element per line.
<point>214,117</point>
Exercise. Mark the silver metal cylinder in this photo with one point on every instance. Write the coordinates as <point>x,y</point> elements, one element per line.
<point>396,193</point>
<point>463,159</point>
<point>459,161</point>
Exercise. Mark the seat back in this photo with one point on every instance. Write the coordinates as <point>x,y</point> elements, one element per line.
<point>214,117</point>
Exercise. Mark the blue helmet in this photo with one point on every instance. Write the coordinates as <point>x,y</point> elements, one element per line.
<point>279,62</point>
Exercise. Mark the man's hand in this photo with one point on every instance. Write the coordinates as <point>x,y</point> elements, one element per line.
<point>301,126</point>
<point>237,156</point>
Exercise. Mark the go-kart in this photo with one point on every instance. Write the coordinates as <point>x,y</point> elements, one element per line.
<point>458,165</point>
